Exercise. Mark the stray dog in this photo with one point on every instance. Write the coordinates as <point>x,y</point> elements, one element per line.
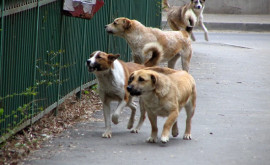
<point>112,75</point>
<point>164,92</point>
<point>188,15</point>
<point>161,45</point>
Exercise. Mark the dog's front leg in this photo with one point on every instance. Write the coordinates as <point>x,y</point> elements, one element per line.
<point>142,118</point>
<point>107,115</point>
<point>118,110</point>
<point>204,28</point>
<point>168,125</point>
<point>132,106</point>
<point>153,120</point>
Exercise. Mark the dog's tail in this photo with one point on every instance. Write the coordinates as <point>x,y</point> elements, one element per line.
<point>191,20</point>
<point>155,51</point>
<point>166,5</point>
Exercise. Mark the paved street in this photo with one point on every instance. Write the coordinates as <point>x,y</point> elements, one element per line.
<point>231,125</point>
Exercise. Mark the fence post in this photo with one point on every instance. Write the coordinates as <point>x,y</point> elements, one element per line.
<point>147,13</point>
<point>35,59</point>
<point>60,64</point>
<point>128,50</point>
<point>108,36</point>
<point>83,58</point>
<point>2,40</point>
<point>2,125</point>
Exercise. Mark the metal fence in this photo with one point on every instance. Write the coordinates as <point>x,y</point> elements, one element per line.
<point>43,53</point>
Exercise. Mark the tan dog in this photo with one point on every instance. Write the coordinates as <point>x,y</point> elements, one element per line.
<point>161,45</point>
<point>112,75</point>
<point>164,92</point>
<point>190,14</point>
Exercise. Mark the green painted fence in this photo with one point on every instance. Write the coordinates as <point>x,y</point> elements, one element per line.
<point>43,53</point>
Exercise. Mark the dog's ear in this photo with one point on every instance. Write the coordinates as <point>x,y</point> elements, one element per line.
<point>126,23</point>
<point>131,78</point>
<point>153,78</point>
<point>112,57</point>
<point>162,85</point>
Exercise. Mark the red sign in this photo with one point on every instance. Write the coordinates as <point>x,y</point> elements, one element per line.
<point>82,8</point>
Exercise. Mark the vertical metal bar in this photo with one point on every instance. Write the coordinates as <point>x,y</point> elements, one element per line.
<point>108,36</point>
<point>60,64</point>
<point>35,60</point>
<point>83,57</point>
<point>1,56</point>
<point>2,39</point>
<point>130,16</point>
<point>147,13</point>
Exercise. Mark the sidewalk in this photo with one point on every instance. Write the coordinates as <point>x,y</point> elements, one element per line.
<point>257,23</point>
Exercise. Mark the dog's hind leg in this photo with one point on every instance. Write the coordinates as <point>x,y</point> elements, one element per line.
<point>185,59</point>
<point>142,118</point>
<point>107,115</point>
<point>118,110</point>
<point>172,61</point>
<point>190,109</point>
<point>168,125</point>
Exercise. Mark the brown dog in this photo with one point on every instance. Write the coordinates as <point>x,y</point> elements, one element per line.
<point>112,75</point>
<point>190,14</point>
<point>164,92</point>
<point>161,45</point>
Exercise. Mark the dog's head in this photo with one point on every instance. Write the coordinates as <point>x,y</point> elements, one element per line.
<point>100,61</point>
<point>198,4</point>
<point>119,26</point>
<point>143,82</point>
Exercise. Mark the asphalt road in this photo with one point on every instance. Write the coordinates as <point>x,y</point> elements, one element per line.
<point>231,124</point>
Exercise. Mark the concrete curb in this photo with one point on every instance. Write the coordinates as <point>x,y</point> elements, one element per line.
<point>232,26</point>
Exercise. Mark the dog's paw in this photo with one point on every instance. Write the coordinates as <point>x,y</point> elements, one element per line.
<point>152,140</point>
<point>134,131</point>
<point>107,135</point>
<point>130,125</point>
<point>115,119</point>
<point>187,137</point>
<point>164,139</point>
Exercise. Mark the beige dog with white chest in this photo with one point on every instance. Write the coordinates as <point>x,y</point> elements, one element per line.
<point>164,92</point>
<point>161,45</point>
<point>112,75</point>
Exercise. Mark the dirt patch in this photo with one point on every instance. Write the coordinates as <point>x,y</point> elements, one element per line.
<point>72,111</point>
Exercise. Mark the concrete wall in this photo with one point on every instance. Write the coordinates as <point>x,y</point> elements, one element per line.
<point>232,6</point>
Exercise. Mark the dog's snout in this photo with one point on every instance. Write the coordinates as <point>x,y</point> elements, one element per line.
<point>88,62</point>
<point>129,88</point>
<point>106,26</point>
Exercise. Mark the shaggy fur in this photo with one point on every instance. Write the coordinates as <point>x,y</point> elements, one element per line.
<point>161,45</point>
<point>164,92</point>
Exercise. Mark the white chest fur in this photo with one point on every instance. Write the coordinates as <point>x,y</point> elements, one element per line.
<point>112,81</point>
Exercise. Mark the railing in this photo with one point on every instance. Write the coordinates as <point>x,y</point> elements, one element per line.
<point>43,53</point>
